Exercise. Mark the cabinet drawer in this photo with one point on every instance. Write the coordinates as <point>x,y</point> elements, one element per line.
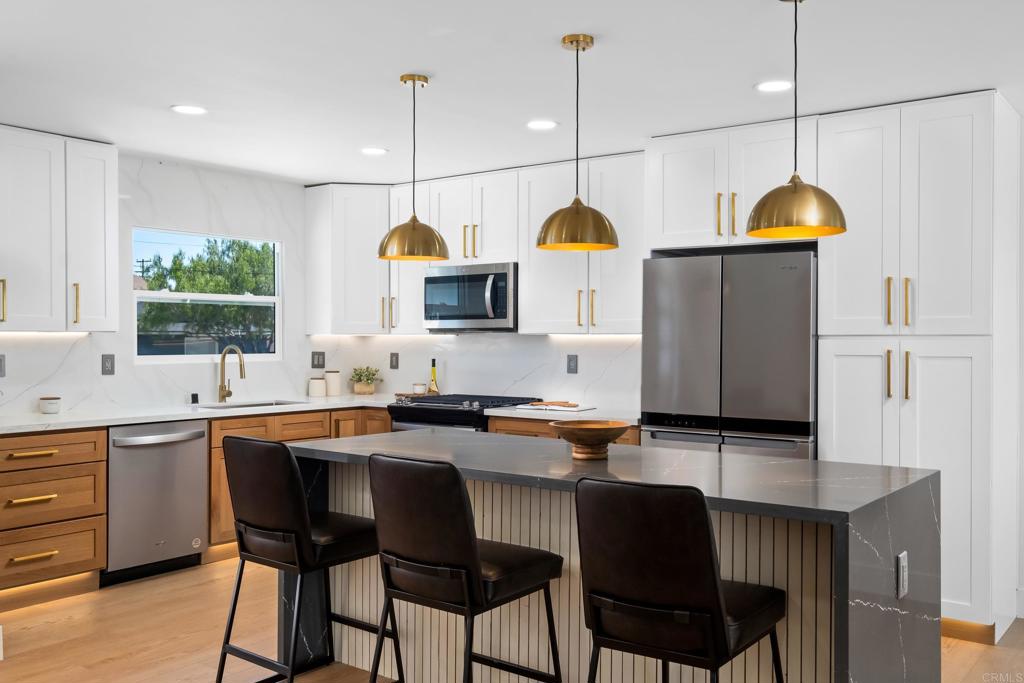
<point>294,426</point>
<point>376,421</point>
<point>49,450</point>
<point>259,427</point>
<point>49,551</point>
<point>347,423</point>
<point>52,494</point>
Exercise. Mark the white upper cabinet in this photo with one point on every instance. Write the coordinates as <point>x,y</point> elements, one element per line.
<point>615,299</point>
<point>858,271</point>
<point>687,179</point>
<point>32,220</point>
<point>494,232</point>
<point>405,307</point>
<point>347,285</point>
<point>946,215</point>
<point>552,284</point>
<point>451,214</point>
<point>92,237</point>
<point>858,400</point>
<point>761,159</point>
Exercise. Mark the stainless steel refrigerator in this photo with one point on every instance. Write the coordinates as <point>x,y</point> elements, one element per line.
<point>729,351</point>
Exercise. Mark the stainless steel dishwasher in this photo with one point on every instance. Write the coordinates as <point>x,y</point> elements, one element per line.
<point>158,495</point>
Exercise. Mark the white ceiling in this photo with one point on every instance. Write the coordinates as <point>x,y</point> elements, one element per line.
<point>295,88</point>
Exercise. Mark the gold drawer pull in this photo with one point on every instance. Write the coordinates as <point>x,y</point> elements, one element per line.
<point>732,212</point>
<point>906,302</point>
<point>3,299</point>
<point>579,315</point>
<point>906,375</point>
<point>888,301</point>
<point>888,373</point>
<point>475,226</point>
<point>718,214</point>
<point>593,294</point>
<point>78,303</point>
<point>35,556</point>
<point>34,454</point>
<point>33,499</point>
<point>465,254</point>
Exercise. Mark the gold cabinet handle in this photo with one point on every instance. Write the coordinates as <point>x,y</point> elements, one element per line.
<point>593,320</point>
<point>906,375</point>
<point>78,303</point>
<point>383,326</point>
<point>465,253</point>
<point>391,312</point>
<point>888,373</point>
<point>33,454</point>
<point>906,302</point>
<point>732,213</point>
<point>475,226</point>
<point>35,556</point>
<point>888,301</point>
<point>718,214</point>
<point>31,500</point>
<point>579,304</point>
<point>3,299</point>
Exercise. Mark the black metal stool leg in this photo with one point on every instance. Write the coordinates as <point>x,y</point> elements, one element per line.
<point>552,635</point>
<point>379,647</point>
<point>296,610</point>
<point>776,658</point>
<point>231,621</point>
<point>395,643</point>
<point>714,676</point>
<point>664,671</point>
<point>595,657</point>
<point>327,613</point>
<point>467,674</point>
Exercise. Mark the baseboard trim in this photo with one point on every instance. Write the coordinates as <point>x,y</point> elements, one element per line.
<point>968,630</point>
<point>46,591</point>
<point>224,551</point>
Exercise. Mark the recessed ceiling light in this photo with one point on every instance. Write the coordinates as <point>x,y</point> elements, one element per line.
<point>188,109</point>
<point>541,124</point>
<point>773,86</point>
<point>374,151</point>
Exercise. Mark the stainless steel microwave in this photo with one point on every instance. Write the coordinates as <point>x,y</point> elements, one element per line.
<point>465,298</point>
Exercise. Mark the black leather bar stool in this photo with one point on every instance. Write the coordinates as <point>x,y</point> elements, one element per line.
<point>651,582</point>
<point>274,527</point>
<point>430,555</point>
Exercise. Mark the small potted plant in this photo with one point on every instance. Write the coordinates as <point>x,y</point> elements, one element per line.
<point>364,380</point>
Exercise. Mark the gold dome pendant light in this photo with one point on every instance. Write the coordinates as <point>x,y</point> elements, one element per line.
<point>413,240</point>
<point>796,210</point>
<point>577,227</point>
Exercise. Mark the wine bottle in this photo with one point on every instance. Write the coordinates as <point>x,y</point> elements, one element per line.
<point>433,389</point>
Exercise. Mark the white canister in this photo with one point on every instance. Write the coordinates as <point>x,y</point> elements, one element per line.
<point>333,380</point>
<point>419,388</point>
<point>317,387</point>
<point>49,405</point>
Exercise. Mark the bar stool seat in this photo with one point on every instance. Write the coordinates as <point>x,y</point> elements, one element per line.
<point>750,612</point>
<point>509,570</point>
<point>337,536</point>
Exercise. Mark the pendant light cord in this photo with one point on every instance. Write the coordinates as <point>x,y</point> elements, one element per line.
<point>796,60</point>
<point>577,121</point>
<point>414,148</point>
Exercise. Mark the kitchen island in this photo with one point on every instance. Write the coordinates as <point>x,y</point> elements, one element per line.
<point>827,533</point>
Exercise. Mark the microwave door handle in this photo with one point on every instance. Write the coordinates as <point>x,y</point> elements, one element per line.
<point>487,295</point>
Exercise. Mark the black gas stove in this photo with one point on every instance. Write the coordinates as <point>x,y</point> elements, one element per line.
<point>458,411</point>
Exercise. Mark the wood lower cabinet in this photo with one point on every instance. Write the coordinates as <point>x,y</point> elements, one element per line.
<point>376,421</point>
<point>301,426</point>
<point>48,450</point>
<point>52,494</point>
<point>49,551</point>
<point>518,426</point>
<point>222,517</point>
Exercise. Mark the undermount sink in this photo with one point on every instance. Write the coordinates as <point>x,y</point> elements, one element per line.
<point>250,404</point>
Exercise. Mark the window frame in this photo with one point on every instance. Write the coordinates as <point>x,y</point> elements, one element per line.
<point>277,300</point>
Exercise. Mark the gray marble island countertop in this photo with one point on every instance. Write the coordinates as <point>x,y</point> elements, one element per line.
<point>785,487</point>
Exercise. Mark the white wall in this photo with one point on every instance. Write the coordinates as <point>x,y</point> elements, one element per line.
<point>164,194</point>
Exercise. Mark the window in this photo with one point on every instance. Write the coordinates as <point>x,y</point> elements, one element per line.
<point>196,294</point>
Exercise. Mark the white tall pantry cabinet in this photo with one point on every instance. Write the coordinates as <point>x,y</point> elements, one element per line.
<point>919,322</point>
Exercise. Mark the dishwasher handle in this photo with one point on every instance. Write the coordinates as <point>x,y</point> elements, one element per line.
<point>157,439</point>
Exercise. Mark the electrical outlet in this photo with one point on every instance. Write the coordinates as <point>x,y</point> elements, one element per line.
<point>902,575</point>
<point>107,364</point>
<point>319,360</point>
<point>3,365</point>
<point>572,365</point>
<point>394,361</point>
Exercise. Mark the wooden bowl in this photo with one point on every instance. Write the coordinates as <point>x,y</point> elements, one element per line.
<point>590,438</point>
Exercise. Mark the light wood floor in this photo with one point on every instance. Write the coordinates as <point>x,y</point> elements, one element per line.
<point>168,630</point>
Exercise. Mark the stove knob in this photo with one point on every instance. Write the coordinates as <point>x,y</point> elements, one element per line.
<point>465,404</point>
<point>476,405</point>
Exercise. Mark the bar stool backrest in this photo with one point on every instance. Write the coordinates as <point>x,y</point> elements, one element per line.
<point>650,567</point>
<point>271,512</point>
<point>425,530</point>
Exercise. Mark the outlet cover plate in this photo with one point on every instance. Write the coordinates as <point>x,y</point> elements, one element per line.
<point>3,365</point>
<point>107,366</point>
<point>319,360</point>
<point>394,361</point>
<point>902,575</point>
<point>572,364</point>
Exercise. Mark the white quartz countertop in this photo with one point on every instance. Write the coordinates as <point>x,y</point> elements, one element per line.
<point>119,415</point>
<point>598,413</point>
